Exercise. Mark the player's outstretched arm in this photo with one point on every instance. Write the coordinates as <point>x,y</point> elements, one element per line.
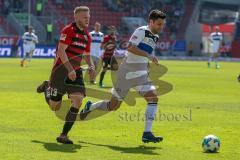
<point>135,50</point>
<point>91,66</point>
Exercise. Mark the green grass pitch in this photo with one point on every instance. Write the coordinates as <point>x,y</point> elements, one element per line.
<point>204,101</point>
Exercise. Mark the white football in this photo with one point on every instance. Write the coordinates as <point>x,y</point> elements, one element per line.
<point>211,144</point>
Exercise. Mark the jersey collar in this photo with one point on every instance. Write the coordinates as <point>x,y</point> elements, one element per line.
<point>151,31</point>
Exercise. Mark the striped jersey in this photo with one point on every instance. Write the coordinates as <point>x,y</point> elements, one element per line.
<point>29,38</point>
<point>216,39</point>
<point>145,40</point>
<point>97,38</point>
<point>78,42</point>
<point>110,43</point>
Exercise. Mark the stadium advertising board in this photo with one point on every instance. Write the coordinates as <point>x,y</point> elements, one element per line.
<point>5,51</point>
<point>44,52</point>
<point>178,45</point>
<point>8,40</point>
<point>41,51</point>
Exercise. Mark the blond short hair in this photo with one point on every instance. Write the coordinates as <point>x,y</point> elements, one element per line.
<point>81,9</point>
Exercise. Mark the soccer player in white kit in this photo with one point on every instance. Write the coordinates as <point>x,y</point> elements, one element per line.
<point>29,44</point>
<point>96,52</point>
<point>215,40</point>
<point>133,73</point>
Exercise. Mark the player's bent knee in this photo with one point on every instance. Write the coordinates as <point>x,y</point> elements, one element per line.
<point>76,104</point>
<point>76,100</point>
<point>154,99</point>
<point>151,98</point>
<point>114,105</point>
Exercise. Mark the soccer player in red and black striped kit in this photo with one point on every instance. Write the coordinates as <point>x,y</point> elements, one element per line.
<point>66,76</point>
<point>109,45</point>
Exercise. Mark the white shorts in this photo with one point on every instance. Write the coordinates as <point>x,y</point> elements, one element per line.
<point>213,48</point>
<point>131,76</point>
<point>96,52</point>
<point>27,48</point>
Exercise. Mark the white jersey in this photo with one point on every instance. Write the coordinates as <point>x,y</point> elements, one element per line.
<point>97,38</point>
<point>29,38</point>
<point>145,40</point>
<point>216,40</point>
<point>29,41</point>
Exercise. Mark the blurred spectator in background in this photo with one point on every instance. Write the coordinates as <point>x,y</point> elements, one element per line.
<point>225,50</point>
<point>190,49</point>
<point>39,7</point>
<point>59,3</point>
<point>49,32</point>
<point>6,7</point>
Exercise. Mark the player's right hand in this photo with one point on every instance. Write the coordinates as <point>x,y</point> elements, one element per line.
<point>72,75</point>
<point>155,60</point>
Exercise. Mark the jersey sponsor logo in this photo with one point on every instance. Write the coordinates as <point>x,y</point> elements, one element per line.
<point>63,37</point>
<point>80,44</point>
<point>149,41</point>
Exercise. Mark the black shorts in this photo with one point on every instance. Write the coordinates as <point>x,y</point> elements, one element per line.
<point>110,63</point>
<point>61,84</point>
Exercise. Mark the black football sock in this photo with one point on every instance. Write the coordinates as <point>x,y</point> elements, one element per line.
<point>69,120</point>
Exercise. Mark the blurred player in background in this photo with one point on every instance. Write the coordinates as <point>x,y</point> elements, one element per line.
<point>29,44</point>
<point>109,45</point>
<point>66,76</point>
<point>215,40</point>
<point>133,73</point>
<point>97,39</point>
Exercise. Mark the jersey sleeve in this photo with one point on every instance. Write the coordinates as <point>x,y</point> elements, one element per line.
<point>221,37</point>
<point>66,36</point>
<point>102,37</point>
<point>105,39</point>
<point>137,36</point>
<point>91,34</point>
<point>24,36</point>
<point>35,38</point>
<point>210,37</point>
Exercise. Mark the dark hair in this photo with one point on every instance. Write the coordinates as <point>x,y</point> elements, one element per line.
<point>155,14</point>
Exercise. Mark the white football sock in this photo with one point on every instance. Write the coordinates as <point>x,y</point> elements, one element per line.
<point>150,115</point>
<point>101,105</point>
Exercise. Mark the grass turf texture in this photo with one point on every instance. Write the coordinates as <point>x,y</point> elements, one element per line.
<point>28,128</point>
